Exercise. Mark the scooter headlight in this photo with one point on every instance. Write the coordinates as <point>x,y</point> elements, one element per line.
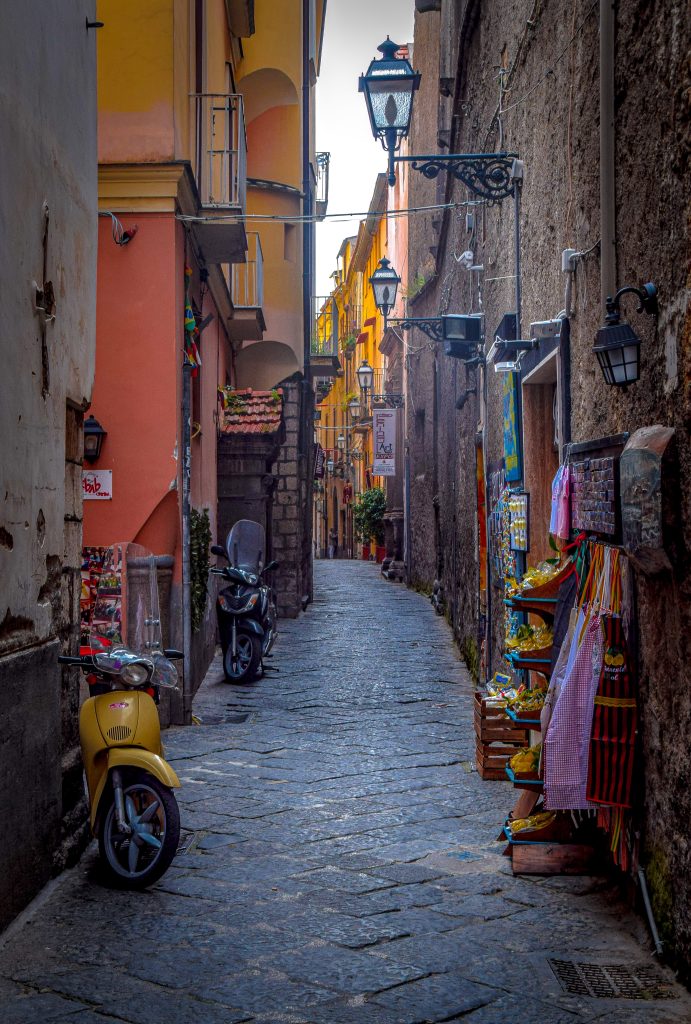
<point>135,674</point>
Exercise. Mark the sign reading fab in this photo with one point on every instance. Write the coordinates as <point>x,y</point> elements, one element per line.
<point>384,424</point>
<point>97,484</point>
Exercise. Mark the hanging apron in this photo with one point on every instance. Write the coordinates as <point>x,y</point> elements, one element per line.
<point>612,742</point>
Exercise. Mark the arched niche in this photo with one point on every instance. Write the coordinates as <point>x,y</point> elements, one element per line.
<point>264,89</point>
<point>263,365</point>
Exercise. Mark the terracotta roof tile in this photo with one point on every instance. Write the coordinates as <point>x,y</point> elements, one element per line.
<point>251,412</point>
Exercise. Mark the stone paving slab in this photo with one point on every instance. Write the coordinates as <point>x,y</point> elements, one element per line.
<point>339,862</point>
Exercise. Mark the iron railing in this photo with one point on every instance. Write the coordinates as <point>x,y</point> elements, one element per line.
<point>247,279</point>
<point>221,150</point>
<point>325,330</point>
<point>322,196</point>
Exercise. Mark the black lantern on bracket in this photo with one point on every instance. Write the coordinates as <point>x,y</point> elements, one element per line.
<point>388,87</point>
<point>341,442</point>
<point>385,282</point>
<point>354,406</point>
<point>365,376</point>
<point>617,346</point>
<point>93,438</point>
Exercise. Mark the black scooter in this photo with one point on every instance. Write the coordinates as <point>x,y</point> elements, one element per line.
<point>246,608</point>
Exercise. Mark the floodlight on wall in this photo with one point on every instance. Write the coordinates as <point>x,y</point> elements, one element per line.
<point>617,346</point>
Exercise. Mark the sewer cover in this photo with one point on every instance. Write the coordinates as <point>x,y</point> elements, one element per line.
<point>611,981</point>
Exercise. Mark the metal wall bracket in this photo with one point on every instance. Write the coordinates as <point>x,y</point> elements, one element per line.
<point>487,175</point>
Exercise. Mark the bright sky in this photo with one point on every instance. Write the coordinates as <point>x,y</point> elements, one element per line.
<point>353,30</point>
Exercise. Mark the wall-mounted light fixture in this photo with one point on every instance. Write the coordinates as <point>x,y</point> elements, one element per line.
<point>341,442</point>
<point>365,376</point>
<point>354,406</point>
<point>389,87</point>
<point>460,332</point>
<point>93,438</point>
<point>617,346</point>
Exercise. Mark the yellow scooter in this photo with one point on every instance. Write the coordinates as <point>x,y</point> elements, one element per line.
<point>134,813</point>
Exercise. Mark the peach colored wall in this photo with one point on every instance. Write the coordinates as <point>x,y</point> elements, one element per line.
<point>135,81</point>
<point>136,392</point>
<point>273,145</point>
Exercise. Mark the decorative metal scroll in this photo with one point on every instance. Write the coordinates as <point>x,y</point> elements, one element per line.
<point>431,327</point>
<point>393,401</point>
<point>487,175</point>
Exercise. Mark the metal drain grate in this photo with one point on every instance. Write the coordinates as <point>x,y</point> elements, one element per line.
<point>188,841</point>
<point>230,718</point>
<point>611,981</point>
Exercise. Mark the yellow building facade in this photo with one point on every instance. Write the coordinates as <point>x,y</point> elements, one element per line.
<point>349,325</point>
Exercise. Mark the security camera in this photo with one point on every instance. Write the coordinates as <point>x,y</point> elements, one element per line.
<point>466,259</point>
<point>545,330</point>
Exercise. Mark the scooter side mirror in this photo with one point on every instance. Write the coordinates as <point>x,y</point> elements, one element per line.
<point>272,565</point>
<point>216,549</point>
<point>174,655</point>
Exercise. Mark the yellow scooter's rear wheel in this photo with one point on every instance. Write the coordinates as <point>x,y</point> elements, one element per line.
<point>137,859</point>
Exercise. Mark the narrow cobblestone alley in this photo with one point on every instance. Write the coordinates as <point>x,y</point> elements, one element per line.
<point>339,862</point>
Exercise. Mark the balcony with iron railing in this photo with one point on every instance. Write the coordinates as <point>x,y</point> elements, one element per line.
<point>246,286</point>
<point>324,341</point>
<point>221,176</point>
<point>322,192</point>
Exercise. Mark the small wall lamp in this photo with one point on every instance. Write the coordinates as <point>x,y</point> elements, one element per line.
<point>617,346</point>
<point>93,438</point>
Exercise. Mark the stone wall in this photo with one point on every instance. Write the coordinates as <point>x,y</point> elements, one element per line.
<point>552,121</point>
<point>48,212</point>
<point>291,515</point>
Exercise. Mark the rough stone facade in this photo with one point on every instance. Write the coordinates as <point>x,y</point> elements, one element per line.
<point>48,216</point>
<point>552,121</point>
<point>291,513</point>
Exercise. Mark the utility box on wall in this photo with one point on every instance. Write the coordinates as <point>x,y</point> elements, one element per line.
<point>644,477</point>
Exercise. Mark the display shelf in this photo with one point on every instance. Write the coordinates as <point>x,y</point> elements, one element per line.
<point>532,723</point>
<point>529,661</point>
<point>549,589</point>
<point>545,607</point>
<point>521,781</point>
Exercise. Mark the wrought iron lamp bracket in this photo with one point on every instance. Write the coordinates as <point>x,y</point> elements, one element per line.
<point>431,326</point>
<point>393,401</point>
<point>487,175</point>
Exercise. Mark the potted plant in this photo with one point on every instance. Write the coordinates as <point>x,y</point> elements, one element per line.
<point>368,519</point>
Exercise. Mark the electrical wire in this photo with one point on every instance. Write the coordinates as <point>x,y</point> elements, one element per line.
<point>121,236</point>
<point>313,219</point>
<point>549,70</point>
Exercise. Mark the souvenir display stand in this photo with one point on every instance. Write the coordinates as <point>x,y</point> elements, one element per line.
<point>560,725</point>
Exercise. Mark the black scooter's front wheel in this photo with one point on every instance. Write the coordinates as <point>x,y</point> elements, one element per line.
<point>246,664</point>
<point>138,859</point>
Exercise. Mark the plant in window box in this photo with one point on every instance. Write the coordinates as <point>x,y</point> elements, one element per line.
<point>349,343</point>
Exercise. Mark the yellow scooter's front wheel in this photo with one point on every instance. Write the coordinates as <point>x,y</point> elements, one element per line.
<point>137,858</point>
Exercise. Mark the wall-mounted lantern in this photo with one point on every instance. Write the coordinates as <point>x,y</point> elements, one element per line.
<point>365,376</point>
<point>385,282</point>
<point>93,438</point>
<point>617,346</point>
<point>341,442</point>
<point>389,85</point>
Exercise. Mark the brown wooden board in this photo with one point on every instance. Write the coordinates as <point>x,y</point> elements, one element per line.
<point>553,859</point>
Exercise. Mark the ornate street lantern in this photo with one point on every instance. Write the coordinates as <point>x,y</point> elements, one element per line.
<point>341,442</point>
<point>385,282</point>
<point>365,376</point>
<point>388,87</point>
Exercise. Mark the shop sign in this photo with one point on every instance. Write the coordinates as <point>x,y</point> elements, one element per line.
<point>319,461</point>
<point>384,427</point>
<point>97,484</point>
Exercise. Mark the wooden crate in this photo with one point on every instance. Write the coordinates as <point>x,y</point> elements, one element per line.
<point>493,725</point>
<point>554,859</point>
<point>491,759</point>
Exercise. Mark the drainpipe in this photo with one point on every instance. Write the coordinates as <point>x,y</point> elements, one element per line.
<point>306,190</point>
<point>608,252</point>
<point>186,568</point>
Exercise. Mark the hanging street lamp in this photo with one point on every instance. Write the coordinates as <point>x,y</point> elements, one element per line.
<point>385,282</point>
<point>354,406</point>
<point>389,86</point>
<point>365,376</point>
<point>341,442</point>
<point>93,438</point>
<point>460,332</point>
<point>617,346</point>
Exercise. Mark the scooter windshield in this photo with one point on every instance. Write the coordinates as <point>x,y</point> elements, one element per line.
<point>246,546</point>
<point>126,621</point>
